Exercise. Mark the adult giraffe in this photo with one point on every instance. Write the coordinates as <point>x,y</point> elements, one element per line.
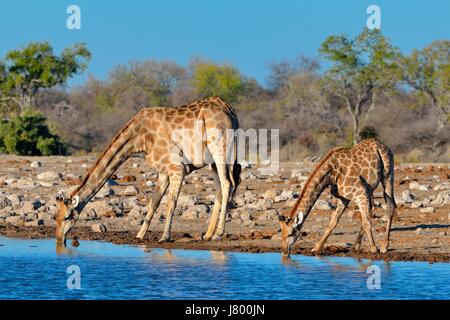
<point>176,141</point>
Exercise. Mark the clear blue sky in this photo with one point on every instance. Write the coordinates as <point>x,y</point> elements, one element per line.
<point>247,33</point>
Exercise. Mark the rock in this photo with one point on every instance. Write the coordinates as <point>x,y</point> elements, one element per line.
<point>4,202</point>
<point>416,205</point>
<point>245,216</point>
<point>407,196</point>
<point>105,191</point>
<point>150,183</point>
<point>48,176</point>
<point>418,231</point>
<point>276,237</point>
<point>99,228</point>
<point>135,213</point>
<point>248,176</point>
<point>270,194</point>
<point>442,198</point>
<point>35,164</point>
<point>15,199</point>
<point>267,216</point>
<point>195,212</point>
<point>35,223</point>
<point>249,197</point>
<point>186,200</point>
<point>239,200</point>
<point>323,205</point>
<point>29,206</point>
<point>263,204</point>
<point>117,206</point>
<point>249,224</point>
<point>245,164</point>
<point>13,219</point>
<point>297,174</point>
<point>130,191</point>
<point>427,210</point>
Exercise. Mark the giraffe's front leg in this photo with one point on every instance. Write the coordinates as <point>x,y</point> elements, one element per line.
<point>175,180</point>
<point>333,223</point>
<point>153,205</point>
<point>216,208</point>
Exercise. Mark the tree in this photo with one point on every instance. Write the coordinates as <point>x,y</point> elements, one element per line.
<point>28,134</point>
<point>210,79</point>
<point>34,67</point>
<point>427,71</point>
<point>362,68</point>
<point>280,72</point>
<point>148,83</point>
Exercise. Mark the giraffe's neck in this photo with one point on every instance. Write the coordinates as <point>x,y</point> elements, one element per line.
<point>119,150</point>
<point>313,188</point>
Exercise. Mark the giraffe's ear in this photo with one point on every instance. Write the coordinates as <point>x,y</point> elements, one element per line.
<point>75,201</point>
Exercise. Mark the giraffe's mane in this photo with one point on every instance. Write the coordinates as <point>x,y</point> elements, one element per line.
<point>311,176</point>
<point>114,139</point>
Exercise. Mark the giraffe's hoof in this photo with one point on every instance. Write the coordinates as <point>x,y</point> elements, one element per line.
<point>374,250</point>
<point>383,250</point>
<point>206,237</point>
<point>316,251</point>
<point>164,239</point>
<point>216,237</point>
<point>140,236</point>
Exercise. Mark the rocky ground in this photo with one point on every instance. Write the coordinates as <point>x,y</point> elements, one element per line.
<point>29,185</point>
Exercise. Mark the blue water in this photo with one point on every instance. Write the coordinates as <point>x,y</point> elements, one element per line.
<point>31,269</point>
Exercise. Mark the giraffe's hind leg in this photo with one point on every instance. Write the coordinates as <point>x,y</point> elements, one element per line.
<point>390,211</point>
<point>363,202</point>
<point>153,204</point>
<point>216,208</point>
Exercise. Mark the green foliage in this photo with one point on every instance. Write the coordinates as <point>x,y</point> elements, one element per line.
<point>27,70</point>
<point>362,67</point>
<point>28,134</point>
<point>210,79</point>
<point>427,71</point>
<point>368,133</point>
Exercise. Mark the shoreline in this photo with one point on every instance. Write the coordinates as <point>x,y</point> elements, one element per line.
<point>232,243</point>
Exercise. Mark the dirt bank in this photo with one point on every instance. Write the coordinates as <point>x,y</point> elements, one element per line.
<point>29,185</point>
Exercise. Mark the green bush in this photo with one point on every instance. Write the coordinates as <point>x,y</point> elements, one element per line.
<point>28,134</point>
<point>368,133</point>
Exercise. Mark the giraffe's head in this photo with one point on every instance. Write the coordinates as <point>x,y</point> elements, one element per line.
<point>290,231</point>
<point>66,217</point>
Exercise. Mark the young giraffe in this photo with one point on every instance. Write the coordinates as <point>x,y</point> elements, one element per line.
<point>353,174</point>
<point>176,141</point>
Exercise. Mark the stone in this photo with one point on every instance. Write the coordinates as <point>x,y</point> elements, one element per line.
<point>245,216</point>
<point>49,176</point>
<point>195,212</point>
<point>99,228</point>
<point>4,202</point>
<point>239,200</point>
<point>186,200</point>
<point>150,183</point>
<point>135,213</point>
<point>249,197</point>
<point>29,206</point>
<point>36,164</point>
<point>130,191</point>
<point>323,205</point>
<point>34,223</point>
<point>418,231</point>
<point>15,199</point>
<point>13,219</point>
<point>427,210</point>
<point>105,191</point>
<point>267,216</point>
<point>270,194</point>
<point>407,196</point>
<point>263,204</point>
<point>416,205</point>
<point>442,198</point>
